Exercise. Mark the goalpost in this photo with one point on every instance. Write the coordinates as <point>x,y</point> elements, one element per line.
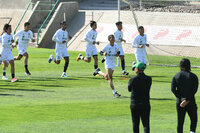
<point>172,28</point>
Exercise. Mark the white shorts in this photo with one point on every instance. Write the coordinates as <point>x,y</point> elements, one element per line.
<point>21,50</point>
<point>61,53</point>
<point>7,56</point>
<point>91,51</point>
<point>121,51</point>
<point>141,58</point>
<point>110,65</point>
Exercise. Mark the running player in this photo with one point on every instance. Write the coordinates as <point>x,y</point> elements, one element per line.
<point>6,52</point>
<point>140,43</point>
<point>61,37</point>
<point>24,36</point>
<point>119,39</point>
<point>110,51</point>
<point>91,49</point>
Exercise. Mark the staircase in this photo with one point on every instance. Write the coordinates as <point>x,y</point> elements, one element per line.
<point>42,11</point>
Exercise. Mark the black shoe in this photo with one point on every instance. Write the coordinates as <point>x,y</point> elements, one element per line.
<point>125,73</point>
<point>103,60</point>
<point>27,73</point>
<point>96,72</point>
<point>116,95</point>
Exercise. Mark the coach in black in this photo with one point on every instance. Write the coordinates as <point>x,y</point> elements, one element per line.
<point>184,86</point>
<point>139,86</point>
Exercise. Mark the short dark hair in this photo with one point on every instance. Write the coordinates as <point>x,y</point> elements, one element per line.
<point>111,36</point>
<point>140,27</point>
<point>63,22</point>
<point>92,23</point>
<point>6,26</point>
<point>185,65</point>
<point>26,24</point>
<point>118,23</point>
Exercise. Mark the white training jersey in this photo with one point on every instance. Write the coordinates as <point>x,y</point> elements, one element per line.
<point>118,36</point>
<point>140,40</point>
<point>90,38</point>
<point>6,42</point>
<point>59,37</point>
<point>24,38</point>
<point>111,53</point>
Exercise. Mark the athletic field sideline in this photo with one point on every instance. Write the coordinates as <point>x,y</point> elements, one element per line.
<point>46,103</point>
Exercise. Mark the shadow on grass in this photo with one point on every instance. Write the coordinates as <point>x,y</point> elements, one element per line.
<point>163,99</point>
<point>34,90</point>
<point>124,97</point>
<point>162,81</point>
<point>10,95</point>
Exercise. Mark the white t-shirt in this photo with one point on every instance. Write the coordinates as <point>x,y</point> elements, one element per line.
<point>90,38</point>
<point>140,40</point>
<point>118,36</point>
<point>6,43</point>
<point>24,38</point>
<point>59,37</point>
<point>111,54</point>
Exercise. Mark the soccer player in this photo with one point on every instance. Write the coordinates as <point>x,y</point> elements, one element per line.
<point>119,39</point>
<point>24,36</point>
<point>110,51</point>
<point>139,86</point>
<point>6,52</point>
<point>140,42</point>
<point>61,37</point>
<point>184,86</point>
<point>91,49</point>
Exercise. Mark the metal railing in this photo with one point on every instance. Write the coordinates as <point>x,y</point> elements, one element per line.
<point>38,33</point>
<point>23,16</point>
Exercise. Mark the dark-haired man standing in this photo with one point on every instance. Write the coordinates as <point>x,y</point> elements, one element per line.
<point>184,86</point>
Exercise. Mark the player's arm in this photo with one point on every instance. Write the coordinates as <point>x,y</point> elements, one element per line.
<point>70,37</point>
<point>16,36</point>
<point>55,38</point>
<point>117,39</point>
<point>130,85</point>
<point>88,38</point>
<point>174,88</point>
<point>32,38</point>
<point>136,44</point>
<point>103,51</point>
<point>147,43</point>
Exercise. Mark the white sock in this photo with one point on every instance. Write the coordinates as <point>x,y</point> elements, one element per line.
<point>82,58</point>
<point>100,72</point>
<point>123,71</point>
<point>192,132</point>
<point>114,91</point>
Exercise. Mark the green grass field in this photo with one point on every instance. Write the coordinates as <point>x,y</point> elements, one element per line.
<point>81,103</point>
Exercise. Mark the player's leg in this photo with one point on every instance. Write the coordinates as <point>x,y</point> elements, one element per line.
<point>26,56</point>
<point>123,65</point>
<point>110,72</point>
<point>135,119</point>
<point>18,57</point>
<point>192,112</point>
<point>65,55</point>
<point>181,117</point>
<point>145,116</point>
<point>96,69</point>
<point>5,64</point>
<point>88,56</point>
<point>13,71</point>
<point>138,59</point>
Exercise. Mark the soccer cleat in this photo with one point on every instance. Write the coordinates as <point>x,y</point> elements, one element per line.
<point>96,71</point>
<point>116,95</point>
<point>103,60</point>
<point>4,78</point>
<point>125,73</point>
<point>14,80</point>
<point>50,58</point>
<point>79,57</point>
<point>64,75</point>
<point>27,73</point>
<point>133,67</point>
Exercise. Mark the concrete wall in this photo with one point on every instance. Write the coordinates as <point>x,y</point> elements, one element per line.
<point>14,4</point>
<point>70,8</point>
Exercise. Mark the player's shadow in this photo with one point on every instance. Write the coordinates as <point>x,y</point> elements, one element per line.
<point>10,95</point>
<point>35,90</point>
<point>124,97</point>
<point>161,81</point>
<point>162,99</point>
